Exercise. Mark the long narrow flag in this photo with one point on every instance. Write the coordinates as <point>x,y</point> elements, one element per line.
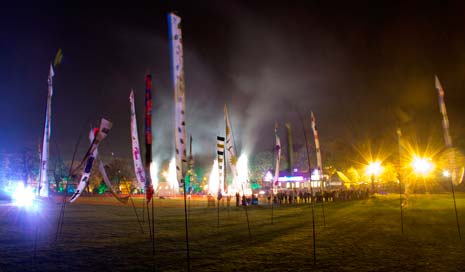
<point>136,155</point>
<point>44,182</point>
<point>148,137</point>
<point>103,172</point>
<point>447,139</point>
<point>97,137</point>
<point>317,148</point>
<point>220,154</point>
<point>177,66</point>
<point>278,154</point>
<point>230,150</point>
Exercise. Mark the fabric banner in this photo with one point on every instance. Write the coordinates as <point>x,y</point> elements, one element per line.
<point>456,178</point>
<point>148,138</point>
<point>231,153</point>
<point>43,187</point>
<point>97,138</point>
<point>105,127</point>
<point>278,154</point>
<point>317,147</point>
<point>86,172</point>
<point>136,155</point>
<point>101,168</point>
<point>222,184</point>
<point>177,66</point>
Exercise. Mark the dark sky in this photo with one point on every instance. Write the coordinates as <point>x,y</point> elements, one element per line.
<point>362,67</point>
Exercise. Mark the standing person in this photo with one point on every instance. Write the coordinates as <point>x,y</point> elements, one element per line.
<point>237,199</point>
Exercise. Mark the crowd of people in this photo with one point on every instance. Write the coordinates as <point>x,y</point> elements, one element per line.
<point>302,196</point>
<point>293,196</point>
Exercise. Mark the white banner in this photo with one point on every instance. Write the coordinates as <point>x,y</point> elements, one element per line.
<point>177,66</point>
<point>231,153</point>
<point>136,155</point>
<point>317,147</point>
<point>43,187</point>
<point>101,168</point>
<point>278,154</point>
<point>91,154</point>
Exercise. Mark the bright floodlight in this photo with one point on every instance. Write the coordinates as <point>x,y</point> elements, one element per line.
<point>446,173</point>
<point>172,176</point>
<point>374,168</point>
<point>422,166</point>
<point>23,197</point>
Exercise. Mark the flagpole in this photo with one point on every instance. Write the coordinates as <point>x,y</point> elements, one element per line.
<point>448,142</point>
<point>311,189</point>
<point>177,68</point>
<point>399,135</point>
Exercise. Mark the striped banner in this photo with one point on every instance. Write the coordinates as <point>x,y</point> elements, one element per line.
<point>278,154</point>
<point>177,66</point>
<point>148,137</point>
<point>317,148</point>
<point>220,153</point>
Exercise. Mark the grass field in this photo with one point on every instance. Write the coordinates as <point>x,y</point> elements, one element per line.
<point>100,234</point>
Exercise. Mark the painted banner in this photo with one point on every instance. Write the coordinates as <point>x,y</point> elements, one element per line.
<point>86,172</point>
<point>278,154</point>
<point>220,153</point>
<point>148,138</point>
<point>105,127</point>
<point>456,179</point>
<point>317,148</point>
<point>101,168</point>
<point>91,154</point>
<point>177,67</point>
<point>43,187</point>
<point>231,153</point>
<point>136,155</point>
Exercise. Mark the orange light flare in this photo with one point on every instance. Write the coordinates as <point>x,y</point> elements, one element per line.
<point>374,168</point>
<point>422,166</point>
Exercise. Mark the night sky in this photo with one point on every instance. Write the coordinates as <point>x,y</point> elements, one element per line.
<point>364,68</point>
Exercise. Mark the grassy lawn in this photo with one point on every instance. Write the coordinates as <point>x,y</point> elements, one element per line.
<point>99,234</point>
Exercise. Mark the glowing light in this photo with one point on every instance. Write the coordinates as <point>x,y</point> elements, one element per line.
<point>422,166</point>
<point>213,181</point>
<point>243,174</point>
<point>23,197</point>
<point>374,168</point>
<point>315,175</point>
<point>295,178</point>
<point>268,176</point>
<point>446,173</point>
<point>172,177</point>
<point>154,174</point>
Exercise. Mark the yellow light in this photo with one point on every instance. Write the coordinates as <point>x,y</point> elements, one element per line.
<point>422,166</point>
<point>374,168</point>
<point>446,173</point>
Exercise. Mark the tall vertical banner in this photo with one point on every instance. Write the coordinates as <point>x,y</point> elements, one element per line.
<point>278,154</point>
<point>136,155</point>
<point>317,148</point>
<point>177,66</point>
<point>447,139</point>
<point>220,153</point>
<point>230,150</point>
<point>43,187</point>
<point>97,137</point>
<point>148,137</point>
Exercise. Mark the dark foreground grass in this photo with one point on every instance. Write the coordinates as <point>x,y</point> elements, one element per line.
<point>102,235</point>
